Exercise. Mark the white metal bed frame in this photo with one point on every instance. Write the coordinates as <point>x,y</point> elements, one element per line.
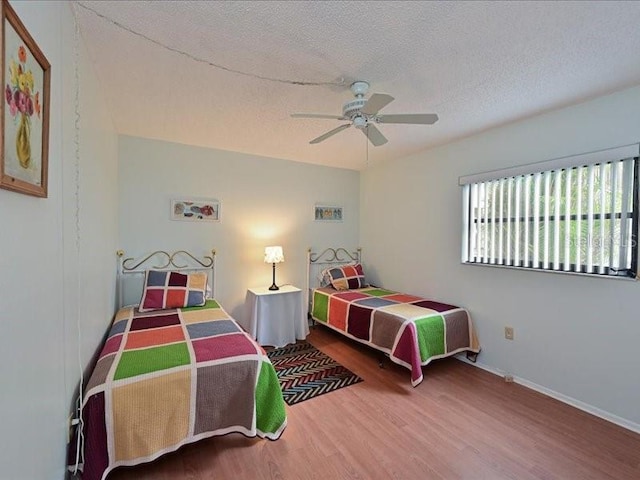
<point>180,260</point>
<point>328,258</point>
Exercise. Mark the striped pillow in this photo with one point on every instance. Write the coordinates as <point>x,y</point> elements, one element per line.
<point>173,290</point>
<point>347,277</point>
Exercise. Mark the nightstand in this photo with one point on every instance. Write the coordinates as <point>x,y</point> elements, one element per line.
<point>276,317</point>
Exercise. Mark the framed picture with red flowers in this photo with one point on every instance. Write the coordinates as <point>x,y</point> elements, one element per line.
<point>195,210</point>
<point>26,76</point>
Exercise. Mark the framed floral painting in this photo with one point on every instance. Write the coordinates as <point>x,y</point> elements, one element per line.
<point>26,76</point>
<point>195,210</point>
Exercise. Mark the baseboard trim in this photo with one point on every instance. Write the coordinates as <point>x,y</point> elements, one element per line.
<point>598,412</point>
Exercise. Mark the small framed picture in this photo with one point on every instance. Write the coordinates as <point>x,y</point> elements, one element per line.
<point>327,213</point>
<point>195,210</point>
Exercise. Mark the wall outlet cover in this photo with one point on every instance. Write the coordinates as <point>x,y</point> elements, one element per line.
<point>508,333</point>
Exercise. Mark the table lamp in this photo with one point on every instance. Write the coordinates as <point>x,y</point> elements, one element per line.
<point>273,255</point>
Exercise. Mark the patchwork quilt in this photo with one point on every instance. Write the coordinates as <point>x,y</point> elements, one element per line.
<point>171,377</point>
<point>412,330</point>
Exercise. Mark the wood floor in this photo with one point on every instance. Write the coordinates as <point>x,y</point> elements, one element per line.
<point>460,422</point>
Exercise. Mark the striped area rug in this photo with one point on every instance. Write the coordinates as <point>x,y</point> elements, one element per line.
<point>305,372</point>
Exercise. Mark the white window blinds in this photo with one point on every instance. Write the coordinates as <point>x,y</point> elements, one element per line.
<point>572,217</point>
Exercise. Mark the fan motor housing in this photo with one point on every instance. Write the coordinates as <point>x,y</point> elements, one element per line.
<point>352,107</point>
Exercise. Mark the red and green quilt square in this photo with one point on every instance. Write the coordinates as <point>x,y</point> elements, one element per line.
<point>430,336</point>
<point>208,304</point>
<point>215,348</point>
<point>320,306</point>
<point>175,297</point>
<point>154,296</point>
<point>403,298</point>
<point>379,292</point>
<point>111,345</point>
<point>350,296</point>
<point>147,360</point>
<point>154,337</point>
<point>338,309</point>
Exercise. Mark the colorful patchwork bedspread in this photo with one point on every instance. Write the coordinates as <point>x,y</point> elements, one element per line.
<point>172,377</point>
<point>412,330</point>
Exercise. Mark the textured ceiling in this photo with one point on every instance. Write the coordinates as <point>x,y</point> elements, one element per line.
<point>476,64</point>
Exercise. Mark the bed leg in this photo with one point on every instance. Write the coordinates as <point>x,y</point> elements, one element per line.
<point>472,356</point>
<point>381,361</point>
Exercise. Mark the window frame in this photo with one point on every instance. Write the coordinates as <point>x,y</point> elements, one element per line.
<point>553,219</point>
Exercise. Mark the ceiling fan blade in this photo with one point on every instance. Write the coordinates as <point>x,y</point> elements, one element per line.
<point>330,133</point>
<point>376,102</point>
<point>316,115</point>
<point>374,135</point>
<point>415,118</point>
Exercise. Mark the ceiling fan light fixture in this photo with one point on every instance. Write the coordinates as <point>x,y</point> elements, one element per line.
<point>359,122</point>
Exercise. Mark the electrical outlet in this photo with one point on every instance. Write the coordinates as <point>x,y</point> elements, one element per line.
<point>508,333</point>
<point>508,378</point>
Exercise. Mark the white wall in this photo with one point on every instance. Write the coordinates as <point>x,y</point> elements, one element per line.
<point>573,335</point>
<point>39,265</point>
<point>265,201</point>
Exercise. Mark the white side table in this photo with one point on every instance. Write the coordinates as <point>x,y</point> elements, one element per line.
<point>276,317</point>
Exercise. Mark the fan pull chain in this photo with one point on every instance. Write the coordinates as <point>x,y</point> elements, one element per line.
<point>366,140</point>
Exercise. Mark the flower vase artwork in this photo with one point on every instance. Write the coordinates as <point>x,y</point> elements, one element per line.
<point>24,112</point>
<point>23,102</point>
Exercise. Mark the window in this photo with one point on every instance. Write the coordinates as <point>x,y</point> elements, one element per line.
<point>578,214</point>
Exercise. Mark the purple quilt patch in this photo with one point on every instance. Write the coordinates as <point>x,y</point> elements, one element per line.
<point>177,279</point>
<point>437,306</point>
<point>359,321</point>
<point>154,321</point>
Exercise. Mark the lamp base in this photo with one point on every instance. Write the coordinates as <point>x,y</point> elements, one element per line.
<point>273,283</point>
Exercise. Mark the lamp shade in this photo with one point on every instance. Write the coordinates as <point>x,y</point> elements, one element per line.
<point>273,255</point>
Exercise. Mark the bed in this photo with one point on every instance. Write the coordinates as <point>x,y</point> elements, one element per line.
<point>412,331</point>
<point>170,376</point>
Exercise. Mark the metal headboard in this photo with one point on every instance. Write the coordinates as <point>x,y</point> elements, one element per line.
<point>329,257</point>
<point>165,261</point>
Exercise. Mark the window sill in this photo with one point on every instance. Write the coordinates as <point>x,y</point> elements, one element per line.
<point>562,272</point>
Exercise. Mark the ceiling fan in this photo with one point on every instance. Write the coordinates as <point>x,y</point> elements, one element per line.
<point>363,114</point>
